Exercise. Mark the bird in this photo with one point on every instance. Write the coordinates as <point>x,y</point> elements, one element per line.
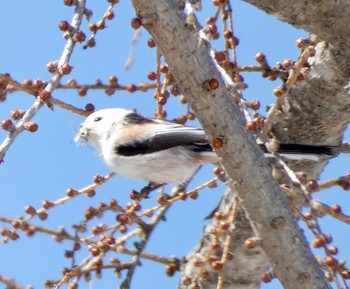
<point>159,151</point>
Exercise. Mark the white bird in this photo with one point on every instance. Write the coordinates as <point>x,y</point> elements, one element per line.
<point>158,151</point>
<point>152,150</point>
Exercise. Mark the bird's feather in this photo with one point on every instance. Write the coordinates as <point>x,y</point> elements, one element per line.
<point>166,136</point>
<point>303,149</point>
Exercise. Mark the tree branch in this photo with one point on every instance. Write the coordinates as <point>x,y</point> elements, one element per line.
<point>319,17</point>
<point>50,87</point>
<point>243,271</point>
<point>10,284</point>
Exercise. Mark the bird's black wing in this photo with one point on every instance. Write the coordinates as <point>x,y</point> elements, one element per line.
<point>166,135</point>
<point>135,118</point>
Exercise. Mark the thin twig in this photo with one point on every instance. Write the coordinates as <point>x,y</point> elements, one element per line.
<point>82,191</point>
<point>321,210</point>
<point>292,79</point>
<point>161,210</point>
<point>10,284</point>
<point>66,54</point>
<point>130,59</point>
<point>229,236</point>
<point>61,235</point>
<point>178,197</point>
<point>340,181</point>
<point>143,255</point>
<point>16,86</point>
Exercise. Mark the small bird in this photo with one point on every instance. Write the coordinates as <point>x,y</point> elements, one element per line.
<point>152,150</point>
<point>161,152</point>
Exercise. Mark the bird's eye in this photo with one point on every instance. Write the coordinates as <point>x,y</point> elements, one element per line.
<point>97,118</point>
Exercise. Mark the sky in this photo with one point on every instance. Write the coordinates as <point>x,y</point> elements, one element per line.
<point>42,165</point>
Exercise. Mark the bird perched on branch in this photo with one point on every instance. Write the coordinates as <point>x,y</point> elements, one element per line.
<point>158,151</point>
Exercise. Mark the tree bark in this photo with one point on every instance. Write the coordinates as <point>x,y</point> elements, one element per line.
<point>247,266</point>
<point>317,110</point>
<point>327,19</point>
<point>265,205</point>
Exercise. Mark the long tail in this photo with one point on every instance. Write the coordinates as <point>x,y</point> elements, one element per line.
<point>302,152</point>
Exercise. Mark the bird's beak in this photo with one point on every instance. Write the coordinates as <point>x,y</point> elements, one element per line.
<point>82,135</point>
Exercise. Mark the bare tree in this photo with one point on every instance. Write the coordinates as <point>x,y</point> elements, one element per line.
<point>254,234</point>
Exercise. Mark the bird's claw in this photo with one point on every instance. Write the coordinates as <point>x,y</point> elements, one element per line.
<point>145,192</point>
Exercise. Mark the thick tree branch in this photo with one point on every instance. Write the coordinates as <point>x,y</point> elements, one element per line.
<point>317,110</point>
<point>262,199</point>
<point>321,17</point>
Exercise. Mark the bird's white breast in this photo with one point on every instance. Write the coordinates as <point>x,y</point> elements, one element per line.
<point>174,165</point>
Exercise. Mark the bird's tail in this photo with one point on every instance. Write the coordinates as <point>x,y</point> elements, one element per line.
<point>288,151</point>
<point>302,152</point>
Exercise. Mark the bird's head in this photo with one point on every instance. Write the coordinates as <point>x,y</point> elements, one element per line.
<point>98,126</point>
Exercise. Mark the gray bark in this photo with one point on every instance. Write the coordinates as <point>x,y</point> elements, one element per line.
<point>327,19</point>
<point>244,271</point>
<point>317,110</point>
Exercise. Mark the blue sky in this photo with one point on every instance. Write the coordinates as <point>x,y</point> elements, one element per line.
<point>44,164</point>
